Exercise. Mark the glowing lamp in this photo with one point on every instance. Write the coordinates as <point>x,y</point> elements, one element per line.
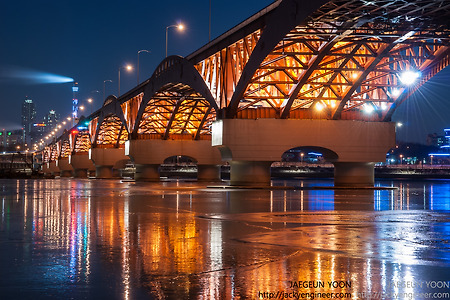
<point>368,108</point>
<point>319,106</point>
<point>396,92</point>
<point>409,77</point>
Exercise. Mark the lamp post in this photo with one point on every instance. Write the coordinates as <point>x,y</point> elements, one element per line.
<point>180,27</point>
<point>147,51</point>
<point>91,101</point>
<point>104,83</point>
<point>128,68</point>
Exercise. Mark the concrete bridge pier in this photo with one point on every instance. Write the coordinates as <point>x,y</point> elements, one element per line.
<point>81,164</point>
<point>354,174</point>
<point>250,173</point>
<point>251,145</point>
<point>209,173</point>
<point>108,161</point>
<point>46,169</point>
<point>53,169</point>
<point>66,169</point>
<point>149,154</point>
<point>146,172</point>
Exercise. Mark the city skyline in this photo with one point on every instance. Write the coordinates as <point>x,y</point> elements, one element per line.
<point>91,52</point>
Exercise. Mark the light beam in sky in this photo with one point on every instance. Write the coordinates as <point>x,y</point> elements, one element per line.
<point>27,76</point>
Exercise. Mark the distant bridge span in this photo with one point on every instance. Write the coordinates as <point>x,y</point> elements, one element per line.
<point>323,62</point>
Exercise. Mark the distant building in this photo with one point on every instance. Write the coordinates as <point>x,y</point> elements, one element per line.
<point>51,120</point>
<point>443,155</point>
<point>433,139</point>
<point>38,132</point>
<point>12,140</point>
<point>28,118</point>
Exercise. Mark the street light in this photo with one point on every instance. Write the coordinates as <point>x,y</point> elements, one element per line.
<point>180,27</point>
<point>147,51</point>
<point>128,68</point>
<point>104,83</point>
<point>91,101</point>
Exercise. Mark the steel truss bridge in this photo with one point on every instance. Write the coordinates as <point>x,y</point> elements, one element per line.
<point>295,59</point>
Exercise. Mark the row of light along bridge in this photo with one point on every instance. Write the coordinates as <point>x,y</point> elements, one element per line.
<point>327,75</point>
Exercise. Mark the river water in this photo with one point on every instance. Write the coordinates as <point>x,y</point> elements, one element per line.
<point>112,239</point>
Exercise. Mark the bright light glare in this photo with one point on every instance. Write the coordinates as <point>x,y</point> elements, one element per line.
<point>129,67</point>
<point>319,106</point>
<point>368,108</point>
<point>180,27</point>
<point>396,92</point>
<point>409,77</point>
<point>399,124</point>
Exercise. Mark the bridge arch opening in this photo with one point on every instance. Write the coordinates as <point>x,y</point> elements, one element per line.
<point>309,154</point>
<point>180,160</point>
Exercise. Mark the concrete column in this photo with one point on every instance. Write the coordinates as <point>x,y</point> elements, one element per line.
<point>81,164</point>
<point>53,168</point>
<point>66,169</point>
<point>354,174</point>
<point>108,161</point>
<point>104,172</point>
<point>46,169</point>
<point>80,173</point>
<point>250,173</point>
<point>208,173</point>
<point>146,172</point>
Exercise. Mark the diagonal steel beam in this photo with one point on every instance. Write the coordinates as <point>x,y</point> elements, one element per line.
<point>382,53</point>
<point>172,117</point>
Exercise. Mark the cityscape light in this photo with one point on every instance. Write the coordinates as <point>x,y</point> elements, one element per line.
<point>319,106</point>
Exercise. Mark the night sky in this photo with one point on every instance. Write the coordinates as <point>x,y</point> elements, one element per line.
<point>89,40</point>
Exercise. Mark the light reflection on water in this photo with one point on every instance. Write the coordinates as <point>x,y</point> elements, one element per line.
<point>105,238</point>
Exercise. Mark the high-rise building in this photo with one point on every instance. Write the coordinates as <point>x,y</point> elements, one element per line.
<point>38,132</point>
<point>51,120</point>
<point>28,118</point>
<point>75,103</point>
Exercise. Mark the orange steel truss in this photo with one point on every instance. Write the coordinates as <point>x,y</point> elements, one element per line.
<point>92,128</point>
<point>222,70</point>
<point>112,133</point>
<point>54,153</point>
<point>341,63</point>
<point>81,142</point>
<point>130,110</point>
<point>176,113</point>
<point>46,154</point>
<point>65,148</point>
